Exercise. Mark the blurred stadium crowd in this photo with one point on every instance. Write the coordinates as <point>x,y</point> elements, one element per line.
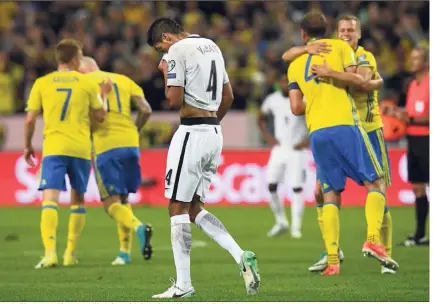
<point>251,34</point>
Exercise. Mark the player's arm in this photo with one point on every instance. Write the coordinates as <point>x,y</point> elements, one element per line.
<point>98,99</point>
<point>140,102</point>
<point>144,111</point>
<point>423,120</point>
<point>173,67</point>
<point>420,121</point>
<point>349,76</point>
<point>365,69</point>
<point>296,101</point>
<point>296,96</point>
<point>34,106</point>
<point>303,144</point>
<point>417,121</point>
<point>373,85</point>
<point>227,98</point>
<point>315,48</point>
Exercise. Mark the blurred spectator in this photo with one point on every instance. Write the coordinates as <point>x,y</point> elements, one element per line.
<point>11,75</point>
<point>251,34</point>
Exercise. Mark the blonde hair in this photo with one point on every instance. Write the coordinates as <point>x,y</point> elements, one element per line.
<point>349,17</point>
<point>66,50</point>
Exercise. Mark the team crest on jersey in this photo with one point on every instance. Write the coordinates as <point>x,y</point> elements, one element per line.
<point>362,57</point>
<point>171,65</point>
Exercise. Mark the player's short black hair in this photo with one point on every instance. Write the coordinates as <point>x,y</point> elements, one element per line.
<point>314,23</point>
<point>160,26</point>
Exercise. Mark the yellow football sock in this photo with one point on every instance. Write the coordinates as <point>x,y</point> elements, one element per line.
<point>331,230</point>
<point>374,210</point>
<point>123,215</point>
<point>319,209</point>
<point>386,231</point>
<point>77,220</point>
<point>49,221</point>
<point>125,235</point>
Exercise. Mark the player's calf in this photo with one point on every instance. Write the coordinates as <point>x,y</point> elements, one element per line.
<point>181,242</point>
<point>277,206</point>
<point>76,224</point>
<point>216,230</point>
<point>124,216</point>
<point>374,210</point>
<point>297,211</point>
<point>49,222</point>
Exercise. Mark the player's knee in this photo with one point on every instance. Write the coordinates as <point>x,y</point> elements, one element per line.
<point>107,202</point>
<point>194,210</point>
<point>376,185</point>
<point>419,190</point>
<point>77,198</point>
<point>124,199</point>
<point>178,208</point>
<point>193,214</point>
<point>318,195</point>
<point>332,196</point>
<point>51,195</point>
<point>297,190</point>
<point>273,187</point>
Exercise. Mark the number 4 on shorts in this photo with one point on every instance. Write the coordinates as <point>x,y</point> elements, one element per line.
<point>168,177</point>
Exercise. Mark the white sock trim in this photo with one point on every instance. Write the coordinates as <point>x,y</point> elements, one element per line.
<point>200,216</point>
<point>180,219</point>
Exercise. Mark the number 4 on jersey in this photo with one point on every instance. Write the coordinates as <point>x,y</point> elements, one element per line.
<point>212,85</point>
<point>307,77</point>
<point>168,176</point>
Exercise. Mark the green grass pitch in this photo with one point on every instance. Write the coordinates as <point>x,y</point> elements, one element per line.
<point>283,262</point>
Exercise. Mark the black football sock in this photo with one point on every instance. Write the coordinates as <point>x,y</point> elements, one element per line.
<point>421,216</point>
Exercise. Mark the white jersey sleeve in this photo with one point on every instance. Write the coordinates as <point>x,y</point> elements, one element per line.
<point>226,77</point>
<point>176,67</point>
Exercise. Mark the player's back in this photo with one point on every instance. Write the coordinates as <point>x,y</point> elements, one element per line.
<point>65,98</point>
<point>328,103</point>
<point>197,64</point>
<point>118,130</point>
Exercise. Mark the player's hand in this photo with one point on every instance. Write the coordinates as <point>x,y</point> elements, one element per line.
<point>301,145</point>
<point>402,115</point>
<point>29,155</point>
<point>318,48</point>
<point>106,86</point>
<point>321,70</point>
<point>387,109</point>
<point>270,140</point>
<point>367,86</point>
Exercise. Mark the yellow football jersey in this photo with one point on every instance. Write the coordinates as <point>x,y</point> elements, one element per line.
<point>65,98</point>
<point>118,129</point>
<point>367,103</point>
<point>328,103</point>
